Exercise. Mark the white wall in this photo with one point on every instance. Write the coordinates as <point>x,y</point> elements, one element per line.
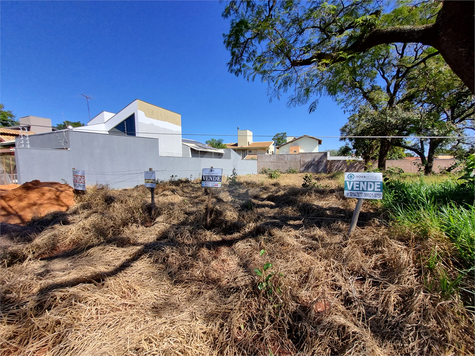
<point>160,127</point>
<point>168,134</point>
<point>306,145</point>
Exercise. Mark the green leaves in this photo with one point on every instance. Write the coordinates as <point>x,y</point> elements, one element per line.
<point>266,279</point>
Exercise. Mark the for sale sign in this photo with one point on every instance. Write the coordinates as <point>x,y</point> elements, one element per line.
<point>79,180</point>
<point>364,185</point>
<point>149,179</point>
<point>211,177</point>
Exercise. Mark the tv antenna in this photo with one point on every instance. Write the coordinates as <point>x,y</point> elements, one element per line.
<point>87,99</point>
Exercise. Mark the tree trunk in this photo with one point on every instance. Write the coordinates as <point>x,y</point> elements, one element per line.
<point>455,38</point>
<point>429,165</point>
<point>384,148</point>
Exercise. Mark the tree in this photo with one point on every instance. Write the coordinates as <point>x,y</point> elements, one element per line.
<point>7,118</point>
<point>290,44</point>
<point>65,124</point>
<point>280,138</point>
<point>216,143</point>
<point>345,151</point>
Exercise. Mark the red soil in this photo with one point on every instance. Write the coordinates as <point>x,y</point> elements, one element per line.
<point>19,204</point>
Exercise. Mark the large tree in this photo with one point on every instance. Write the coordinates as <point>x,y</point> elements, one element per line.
<point>65,124</point>
<point>7,118</point>
<point>216,143</point>
<point>286,42</point>
<point>280,138</point>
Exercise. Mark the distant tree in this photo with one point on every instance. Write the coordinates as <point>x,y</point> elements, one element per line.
<point>345,151</point>
<point>396,153</point>
<point>64,125</point>
<point>216,143</point>
<point>7,118</point>
<point>280,138</point>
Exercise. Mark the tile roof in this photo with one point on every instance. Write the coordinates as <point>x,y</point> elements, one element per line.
<point>6,131</point>
<point>9,135</point>
<point>263,144</point>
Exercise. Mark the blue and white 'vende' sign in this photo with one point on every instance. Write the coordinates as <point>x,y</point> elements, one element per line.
<point>211,177</point>
<point>149,179</point>
<point>364,185</point>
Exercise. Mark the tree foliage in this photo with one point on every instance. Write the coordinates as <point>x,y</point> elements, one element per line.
<point>216,143</point>
<point>280,138</point>
<point>7,118</point>
<point>65,124</point>
<point>291,44</point>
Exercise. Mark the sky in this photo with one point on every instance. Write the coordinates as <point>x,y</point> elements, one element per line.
<point>167,53</point>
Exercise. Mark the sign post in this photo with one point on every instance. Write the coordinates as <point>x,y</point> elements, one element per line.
<point>211,178</point>
<point>362,185</point>
<point>150,183</point>
<point>79,179</point>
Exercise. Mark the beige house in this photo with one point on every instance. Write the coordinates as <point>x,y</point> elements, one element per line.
<point>300,144</point>
<point>248,149</point>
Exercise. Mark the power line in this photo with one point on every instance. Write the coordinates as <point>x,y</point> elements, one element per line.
<point>261,135</point>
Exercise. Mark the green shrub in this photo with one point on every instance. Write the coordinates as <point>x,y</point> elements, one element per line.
<point>273,174</point>
<point>292,171</point>
<point>307,181</point>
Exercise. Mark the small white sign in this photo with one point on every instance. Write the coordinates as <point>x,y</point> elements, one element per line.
<point>211,177</point>
<point>149,179</point>
<point>79,180</point>
<point>364,185</point>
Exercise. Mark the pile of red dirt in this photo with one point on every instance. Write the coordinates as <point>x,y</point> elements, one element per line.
<point>33,199</point>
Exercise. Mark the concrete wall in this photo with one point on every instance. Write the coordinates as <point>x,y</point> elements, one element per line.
<point>413,165</point>
<point>304,162</point>
<point>37,124</point>
<point>319,162</point>
<point>118,161</point>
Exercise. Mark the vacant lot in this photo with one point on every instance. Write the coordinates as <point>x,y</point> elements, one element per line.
<point>272,273</point>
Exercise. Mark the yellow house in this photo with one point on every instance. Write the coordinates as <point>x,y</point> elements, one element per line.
<point>248,149</point>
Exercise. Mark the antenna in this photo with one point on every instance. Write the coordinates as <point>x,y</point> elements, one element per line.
<point>87,99</point>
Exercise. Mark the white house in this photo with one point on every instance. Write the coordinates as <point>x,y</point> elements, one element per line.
<point>300,144</point>
<point>141,119</point>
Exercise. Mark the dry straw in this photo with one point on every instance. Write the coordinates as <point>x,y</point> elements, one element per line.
<point>116,277</point>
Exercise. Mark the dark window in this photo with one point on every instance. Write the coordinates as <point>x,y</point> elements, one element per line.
<point>126,127</point>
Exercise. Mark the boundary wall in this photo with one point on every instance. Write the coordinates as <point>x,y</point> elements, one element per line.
<point>116,161</point>
<point>311,162</point>
<point>322,162</point>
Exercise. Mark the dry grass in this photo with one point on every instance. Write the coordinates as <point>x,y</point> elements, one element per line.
<point>114,277</point>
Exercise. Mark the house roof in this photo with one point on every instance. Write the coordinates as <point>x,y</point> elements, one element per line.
<point>298,138</point>
<point>263,144</point>
<point>198,146</point>
<point>9,135</point>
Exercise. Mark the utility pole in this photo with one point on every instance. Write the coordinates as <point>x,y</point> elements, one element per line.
<point>87,99</point>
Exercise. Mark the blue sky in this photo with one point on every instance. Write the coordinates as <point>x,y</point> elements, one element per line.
<point>168,53</point>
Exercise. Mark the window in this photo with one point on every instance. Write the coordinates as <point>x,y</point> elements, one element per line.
<point>126,127</point>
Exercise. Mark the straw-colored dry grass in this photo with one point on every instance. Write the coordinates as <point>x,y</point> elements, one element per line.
<point>114,277</point>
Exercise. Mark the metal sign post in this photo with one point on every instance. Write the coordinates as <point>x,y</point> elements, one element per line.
<point>362,185</point>
<point>211,178</point>
<point>150,183</point>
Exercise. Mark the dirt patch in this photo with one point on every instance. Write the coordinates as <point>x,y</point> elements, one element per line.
<point>18,205</point>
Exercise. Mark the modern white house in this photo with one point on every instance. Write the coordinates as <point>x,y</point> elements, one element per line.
<point>141,119</point>
<point>300,144</point>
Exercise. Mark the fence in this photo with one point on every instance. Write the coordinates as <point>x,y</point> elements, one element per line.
<point>8,173</point>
